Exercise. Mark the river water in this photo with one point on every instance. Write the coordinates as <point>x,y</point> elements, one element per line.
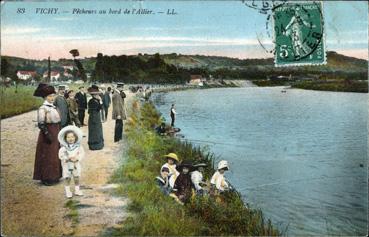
<point>299,156</point>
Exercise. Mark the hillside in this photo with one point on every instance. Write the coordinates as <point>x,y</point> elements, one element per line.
<point>335,62</point>
<point>142,67</point>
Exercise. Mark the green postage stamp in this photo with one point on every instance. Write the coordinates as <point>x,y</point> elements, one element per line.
<point>299,34</point>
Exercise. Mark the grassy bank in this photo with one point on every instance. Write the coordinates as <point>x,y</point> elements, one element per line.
<point>334,85</point>
<point>14,103</point>
<point>339,85</point>
<point>21,100</point>
<point>262,83</point>
<point>157,215</point>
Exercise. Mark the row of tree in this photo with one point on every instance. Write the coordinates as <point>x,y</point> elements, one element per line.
<point>137,69</point>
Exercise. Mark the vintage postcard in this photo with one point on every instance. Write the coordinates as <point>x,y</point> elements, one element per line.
<point>184,118</point>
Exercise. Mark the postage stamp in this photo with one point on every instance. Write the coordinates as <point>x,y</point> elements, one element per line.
<point>299,34</point>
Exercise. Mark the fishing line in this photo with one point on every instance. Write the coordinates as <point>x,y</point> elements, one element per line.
<point>211,142</point>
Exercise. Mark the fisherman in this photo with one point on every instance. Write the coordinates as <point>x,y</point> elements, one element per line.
<point>161,130</point>
<point>164,130</point>
<point>172,115</point>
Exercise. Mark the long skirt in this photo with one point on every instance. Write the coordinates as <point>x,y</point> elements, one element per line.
<point>95,131</point>
<point>47,163</point>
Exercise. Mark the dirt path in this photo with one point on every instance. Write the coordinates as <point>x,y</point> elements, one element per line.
<point>31,209</point>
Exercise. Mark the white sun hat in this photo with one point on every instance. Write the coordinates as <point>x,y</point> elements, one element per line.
<point>223,164</point>
<point>66,129</point>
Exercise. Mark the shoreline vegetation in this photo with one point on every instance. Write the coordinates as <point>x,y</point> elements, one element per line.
<point>319,85</point>
<point>154,214</point>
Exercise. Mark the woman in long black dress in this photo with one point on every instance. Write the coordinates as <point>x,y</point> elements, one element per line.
<point>95,131</point>
<point>47,164</point>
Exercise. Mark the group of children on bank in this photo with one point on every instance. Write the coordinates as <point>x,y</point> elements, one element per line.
<point>182,181</point>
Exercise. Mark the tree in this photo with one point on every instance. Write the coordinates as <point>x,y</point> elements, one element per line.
<point>8,70</point>
<point>74,53</point>
<point>79,65</point>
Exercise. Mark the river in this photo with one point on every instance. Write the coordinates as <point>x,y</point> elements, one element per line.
<point>299,156</point>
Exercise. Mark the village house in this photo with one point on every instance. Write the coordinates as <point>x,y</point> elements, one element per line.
<point>26,75</point>
<point>54,75</point>
<point>197,80</point>
<point>67,75</point>
<point>68,67</point>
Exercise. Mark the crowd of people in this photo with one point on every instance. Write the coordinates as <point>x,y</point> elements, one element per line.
<point>59,118</point>
<point>59,150</point>
<point>184,180</point>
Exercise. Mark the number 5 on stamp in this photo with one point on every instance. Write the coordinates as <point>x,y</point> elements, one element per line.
<point>299,34</point>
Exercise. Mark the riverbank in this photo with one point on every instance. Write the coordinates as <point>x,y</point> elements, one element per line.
<point>158,215</point>
<point>338,85</point>
<point>320,85</point>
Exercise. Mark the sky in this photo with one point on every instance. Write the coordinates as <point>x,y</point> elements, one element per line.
<point>221,28</point>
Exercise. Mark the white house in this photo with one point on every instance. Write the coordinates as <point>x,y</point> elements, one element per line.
<point>54,76</point>
<point>197,80</point>
<point>67,75</point>
<point>26,75</point>
<point>70,67</point>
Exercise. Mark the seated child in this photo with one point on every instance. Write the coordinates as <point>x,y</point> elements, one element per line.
<point>163,181</point>
<point>218,180</point>
<point>70,154</point>
<point>196,178</point>
<point>183,185</point>
<point>172,159</point>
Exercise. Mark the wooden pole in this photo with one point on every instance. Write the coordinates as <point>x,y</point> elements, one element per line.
<point>49,70</point>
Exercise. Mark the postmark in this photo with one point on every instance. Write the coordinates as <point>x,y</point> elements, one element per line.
<point>264,7</point>
<point>299,34</point>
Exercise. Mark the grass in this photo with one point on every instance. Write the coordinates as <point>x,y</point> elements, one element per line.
<point>21,100</point>
<point>333,85</point>
<point>338,85</point>
<point>14,102</point>
<point>73,214</point>
<point>157,215</point>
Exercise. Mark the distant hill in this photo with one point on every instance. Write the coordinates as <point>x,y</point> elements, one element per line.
<point>335,61</point>
<point>338,66</point>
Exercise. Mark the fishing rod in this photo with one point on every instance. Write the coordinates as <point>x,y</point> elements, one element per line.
<point>293,181</point>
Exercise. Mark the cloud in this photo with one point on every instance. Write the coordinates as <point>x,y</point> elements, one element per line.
<point>187,40</point>
<point>140,41</point>
<point>63,18</point>
<point>16,30</point>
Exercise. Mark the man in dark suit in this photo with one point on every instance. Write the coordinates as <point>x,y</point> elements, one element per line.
<point>82,104</point>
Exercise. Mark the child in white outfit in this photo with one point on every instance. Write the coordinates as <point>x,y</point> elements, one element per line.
<point>70,154</point>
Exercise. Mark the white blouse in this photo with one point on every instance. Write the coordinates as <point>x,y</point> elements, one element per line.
<point>48,113</point>
<point>219,181</point>
<point>196,178</point>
